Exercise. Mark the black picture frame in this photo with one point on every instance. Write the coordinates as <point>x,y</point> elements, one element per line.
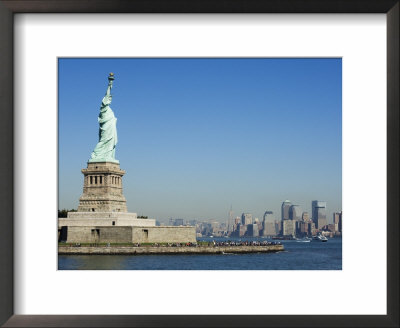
<point>10,7</point>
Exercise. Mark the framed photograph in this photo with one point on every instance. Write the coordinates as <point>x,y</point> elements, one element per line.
<point>243,104</point>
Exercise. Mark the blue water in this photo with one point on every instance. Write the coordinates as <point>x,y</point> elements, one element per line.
<point>297,256</point>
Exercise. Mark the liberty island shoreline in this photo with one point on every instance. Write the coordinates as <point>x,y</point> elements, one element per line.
<point>167,250</point>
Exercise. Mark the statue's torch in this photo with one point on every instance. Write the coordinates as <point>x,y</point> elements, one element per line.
<point>110,83</point>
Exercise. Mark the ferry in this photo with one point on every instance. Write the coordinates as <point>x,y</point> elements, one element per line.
<point>304,240</point>
<point>284,238</point>
<point>320,237</point>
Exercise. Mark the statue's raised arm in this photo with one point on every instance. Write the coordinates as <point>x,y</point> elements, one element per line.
<point>108,97</point>
<point>105,148</point>
<point>110,83</point>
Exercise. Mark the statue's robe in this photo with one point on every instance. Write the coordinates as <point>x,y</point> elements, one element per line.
<point>105,148</point>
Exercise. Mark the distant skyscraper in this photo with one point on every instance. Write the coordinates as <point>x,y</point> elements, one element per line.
<point>278,226</point>
<point>176,222</point>
<point>295,212</point>
<point>319,213</point>
<point>192,222</point>
<point>252,230</point>
<point>269,229</point>
<point>268,216</point>
<point>302,228</point>
<point>230,220</point>
<point>285,209</point>
<point>340,222</point>
<point>179,222</point>
<point>311,228</point>
<point>242,230</point>
<point>305,217</point>
<point>288,228</point>
<point>336,220</point>
<point>247,218</point>
<point>270,226</point>
<point>237,220</point>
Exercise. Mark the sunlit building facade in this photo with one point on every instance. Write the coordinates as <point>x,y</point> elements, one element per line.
<point>319,213</point>
<point>247,218</point>
<point>295,212</point>
<point>285,209</point>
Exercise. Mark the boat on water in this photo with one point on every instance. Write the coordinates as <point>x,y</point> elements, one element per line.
<point>320,237</point>
<point>284,238</point>
<point>304,240</point>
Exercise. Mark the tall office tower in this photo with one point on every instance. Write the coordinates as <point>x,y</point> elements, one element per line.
<point>260,226</point>
<point>269,229</point>
<point>278,226</point>
<point>302,228</point>
<point>268,216</point>
<point>321,217</point>
<point>215,227</point>
<point>319,213</point>
<point>305,217</point>
<point>252,230</point>
<point>179,222</point>
<point>230,221</point>
<point>242,230</point>
<point>311,228</point>
<point>268,224</point>
<point>340,222</point>
<point>192,222</point>
<point>247,218</point>
<point>285,209</point>
<point>288,228</point>
<point>295,212</point>
<point>336,220</point>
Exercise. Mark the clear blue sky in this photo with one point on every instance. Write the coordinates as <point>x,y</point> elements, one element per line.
<point>196,136</point>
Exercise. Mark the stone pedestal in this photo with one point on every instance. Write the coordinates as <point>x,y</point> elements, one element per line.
<point>104,219</point>
<point>102,188</point>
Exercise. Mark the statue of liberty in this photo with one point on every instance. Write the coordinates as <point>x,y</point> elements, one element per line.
<point>105,148</point>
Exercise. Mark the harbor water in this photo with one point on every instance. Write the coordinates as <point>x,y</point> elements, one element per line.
<point>297,255</point>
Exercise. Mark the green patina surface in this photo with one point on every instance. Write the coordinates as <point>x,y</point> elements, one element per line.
<point>105,148</point>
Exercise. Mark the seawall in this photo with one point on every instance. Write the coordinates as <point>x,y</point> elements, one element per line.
<point>148,250</point>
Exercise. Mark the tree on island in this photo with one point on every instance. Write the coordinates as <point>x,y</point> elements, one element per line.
<point>64,213</point>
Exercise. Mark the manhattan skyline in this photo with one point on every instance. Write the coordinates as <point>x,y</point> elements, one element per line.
<point>196,136</point>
